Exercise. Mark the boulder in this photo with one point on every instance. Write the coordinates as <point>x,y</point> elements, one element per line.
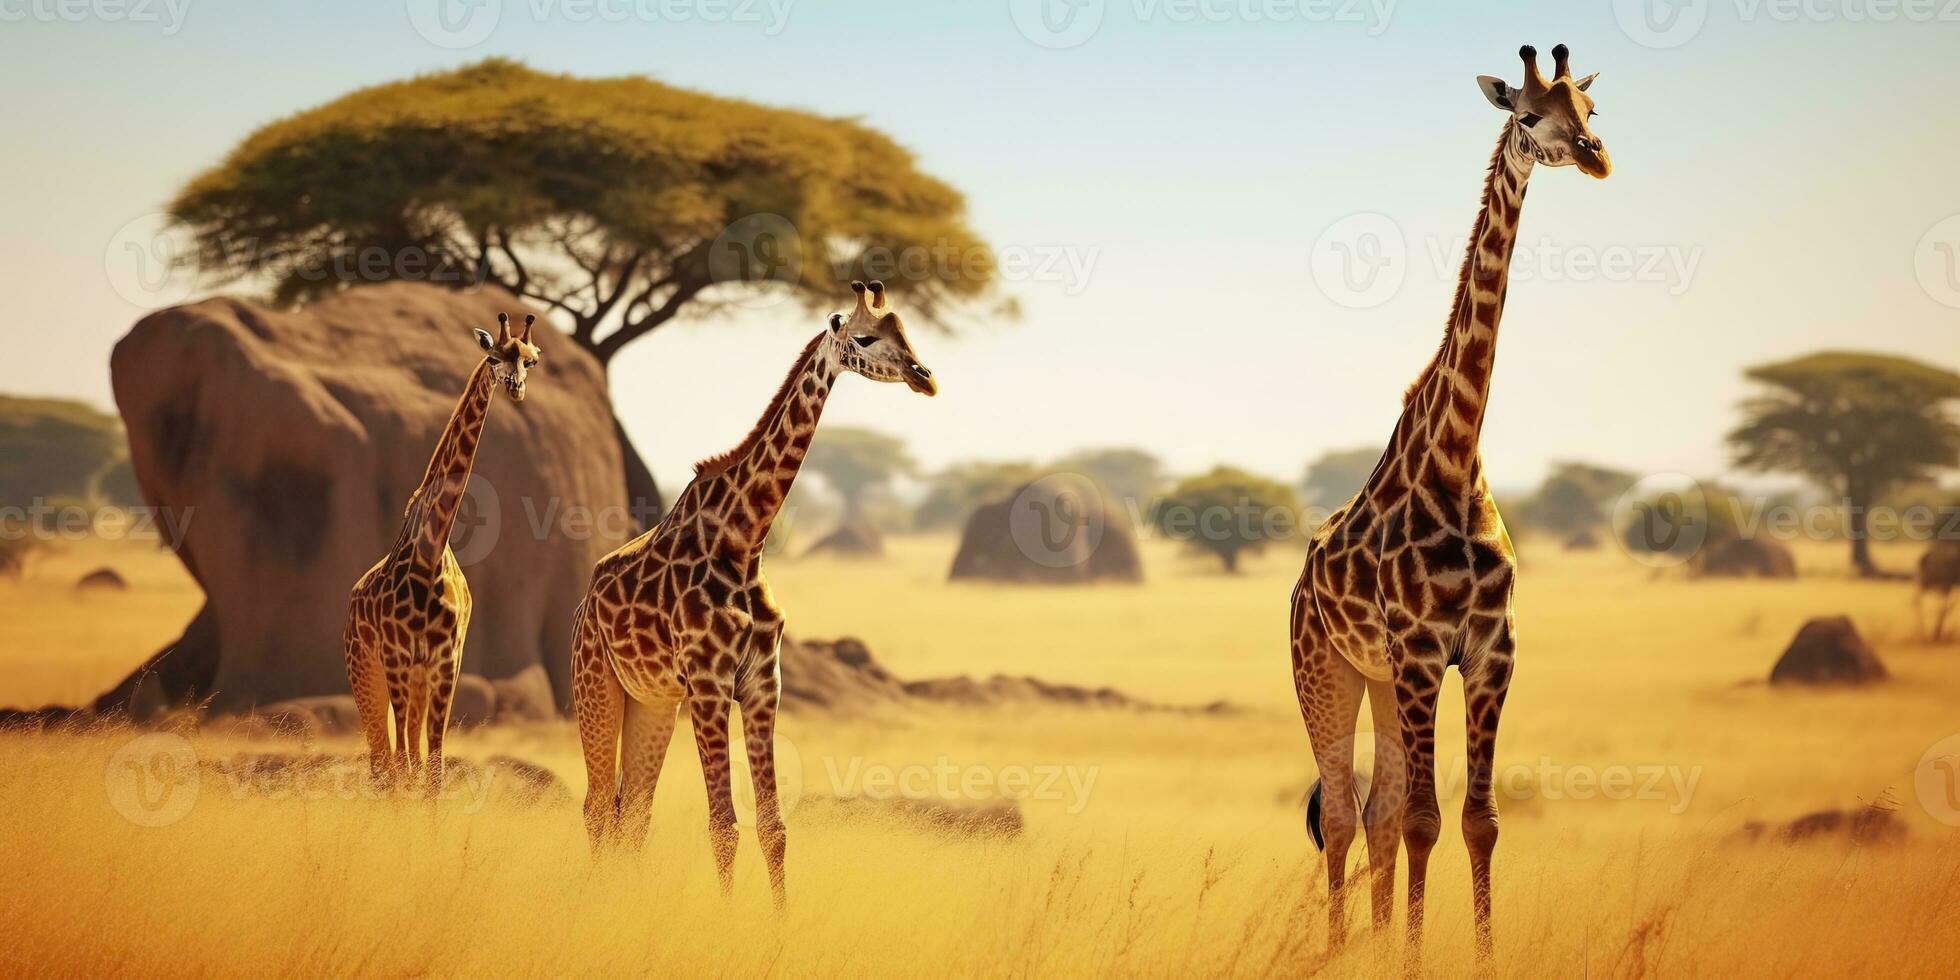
<point>1827,650</point>
<point>1746,558</point>
<point>333,714</point>
<point>282,448</point>
<point>1057,530</point>
<point>855,538</point>
<point>106,579</point>
<point>525,696</point>
<point>475,702</point>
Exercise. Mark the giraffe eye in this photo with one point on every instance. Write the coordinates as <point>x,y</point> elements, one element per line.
<point>865,341</point>
<point>836,321</point>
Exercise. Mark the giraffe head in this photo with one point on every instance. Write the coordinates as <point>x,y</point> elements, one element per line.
<point>1553,116</point>
<point>513,356</point>
<point>870,340</point>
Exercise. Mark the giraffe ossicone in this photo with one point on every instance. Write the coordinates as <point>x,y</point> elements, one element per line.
<point>1414,574</point>
<point>683,615</point>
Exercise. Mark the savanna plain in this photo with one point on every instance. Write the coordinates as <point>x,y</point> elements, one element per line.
<point>1647,773</point>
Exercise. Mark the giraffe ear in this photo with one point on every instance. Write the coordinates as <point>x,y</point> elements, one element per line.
<point>484,340</point>
<point>1500,95</point>
<point>1586,82</point>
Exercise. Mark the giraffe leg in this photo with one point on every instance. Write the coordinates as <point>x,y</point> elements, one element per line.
<point>1330,696</point>
<point>1484,687</point>
<point>1387,791</point>
<point>370,698</point>
<point>1420,680</point>
<point>759,731</point>
<point>442,694</point>
<point>709,712</point>
<point>600,703</point>
<point>647,729</point>
<point>398,703</point>
<point>418,713</point>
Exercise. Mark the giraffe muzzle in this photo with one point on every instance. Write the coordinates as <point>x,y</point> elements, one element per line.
<point>920,380</point>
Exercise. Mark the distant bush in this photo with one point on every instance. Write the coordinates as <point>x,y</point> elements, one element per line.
<point>52,447</point>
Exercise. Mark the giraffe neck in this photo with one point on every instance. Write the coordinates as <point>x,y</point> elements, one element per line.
<point>741,493</point>
<point>1444,412</point>
<point>432,508</point>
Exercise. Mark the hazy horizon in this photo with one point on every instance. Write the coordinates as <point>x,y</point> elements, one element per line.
<point>1196,182</point>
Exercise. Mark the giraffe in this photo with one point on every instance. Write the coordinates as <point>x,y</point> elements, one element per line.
<point>1939,575</point>
<point>682,614</point>
<point>409,613</point>
<point>1415,572</point>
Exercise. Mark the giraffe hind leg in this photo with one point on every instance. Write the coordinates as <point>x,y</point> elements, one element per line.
<point>599,701</point>
<point>759,731</point>
<point>1330,689</point>
<point>709,712</point>
<point>370,699</point>
<point>415,725</point>
<point>645,733</point>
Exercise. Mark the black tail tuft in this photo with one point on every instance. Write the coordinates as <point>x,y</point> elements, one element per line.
<point>1313,818</point>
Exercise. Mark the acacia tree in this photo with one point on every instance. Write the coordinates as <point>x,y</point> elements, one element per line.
<point>621,204</point>
<point>853,461</point>
<point>1228,512</point>
<point>1337,474</point>
<point>1132,476</point>
<point>1858,425</point>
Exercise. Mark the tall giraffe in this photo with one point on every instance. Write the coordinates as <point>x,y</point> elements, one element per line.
<point>1415,572</point>
<point>409,613</point>
<point>682,613</point>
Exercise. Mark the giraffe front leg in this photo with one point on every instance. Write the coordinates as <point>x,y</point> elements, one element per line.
<point>759,701</point>
<point>442,694</point>
<point>1485,685</point>
<point>370,696</point>
<point>1418,682</point>
<point>709,711</point>
<point>644,736</point>
<point>1387,792</point>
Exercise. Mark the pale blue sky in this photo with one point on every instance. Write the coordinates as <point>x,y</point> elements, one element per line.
<point>1774,180</point>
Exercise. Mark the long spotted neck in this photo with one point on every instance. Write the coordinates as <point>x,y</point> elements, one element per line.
<point>432,509</point>
<point>1444,412</point>
<point>741,493</point>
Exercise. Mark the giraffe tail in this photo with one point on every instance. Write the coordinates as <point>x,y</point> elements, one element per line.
<point>1314,809</point>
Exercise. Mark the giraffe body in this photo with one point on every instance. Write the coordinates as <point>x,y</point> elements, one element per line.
<point>1415,573</point>
<point>409,614</point>
<point>682,616</point>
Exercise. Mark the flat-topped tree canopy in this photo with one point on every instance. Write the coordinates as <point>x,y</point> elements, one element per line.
<point>619,203</point>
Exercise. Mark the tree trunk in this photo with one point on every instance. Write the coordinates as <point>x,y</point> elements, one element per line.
<point>1860,529</point>
<point>1231,559</point>
<point>642,494</point>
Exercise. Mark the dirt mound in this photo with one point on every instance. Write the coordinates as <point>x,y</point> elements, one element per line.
<point>295,439</point>
<point>852,539</point>
<point>107,579</point>
<point>982,819</point>
<point>1873,823</point>
<point>1584,539</point>
<point>312,776</point>
<point>1827,650</point>
<point>1055,531</point>
<point>842,677</point>
<point>1746,558</point>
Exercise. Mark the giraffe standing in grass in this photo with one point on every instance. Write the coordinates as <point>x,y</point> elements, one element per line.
<point>682,614</point>
<point>408,614</point>
<point>1414,573</point>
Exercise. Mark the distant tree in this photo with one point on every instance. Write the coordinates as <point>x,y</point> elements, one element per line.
<point>1228,512</point>
<point>1125,475</point>
<point>1858,425</point>
<point>1574,497</point>
<point>55,448</point>
<point>853,461</point>
<point>620,203</point>
<point>1338,474</point>
<point>956,492</point>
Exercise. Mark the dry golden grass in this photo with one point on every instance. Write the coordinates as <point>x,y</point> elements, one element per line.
<point>1185,856</point>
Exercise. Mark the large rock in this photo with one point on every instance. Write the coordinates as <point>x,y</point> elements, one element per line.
<point>285,445</point>
<point>1746,558</point>
<point>1827,650</point>
<point>1056,530</point>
